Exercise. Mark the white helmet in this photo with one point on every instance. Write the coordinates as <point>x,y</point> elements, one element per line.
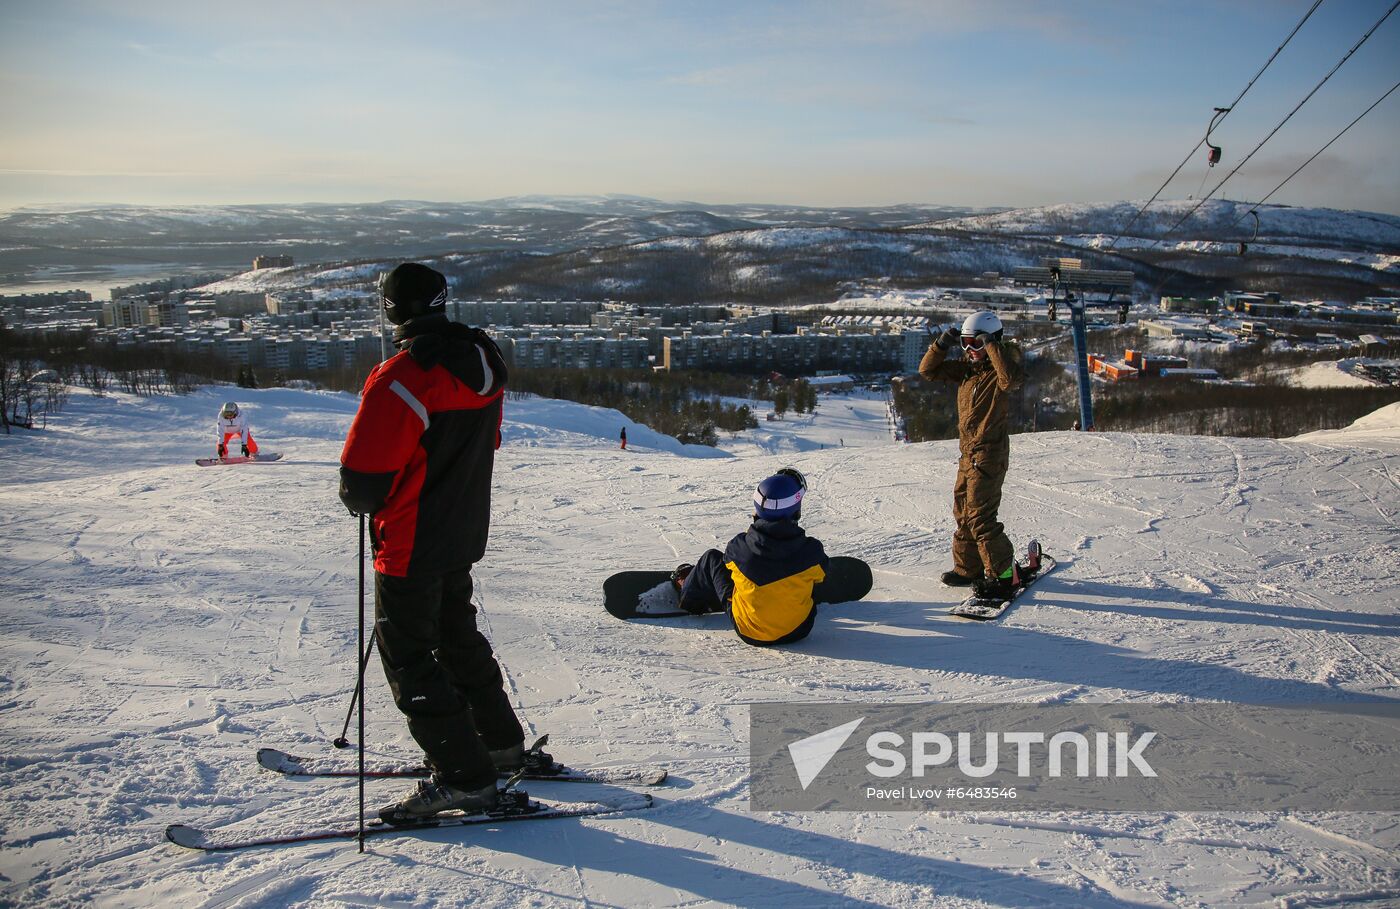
<point>982,323</point>
<point>230,410</point>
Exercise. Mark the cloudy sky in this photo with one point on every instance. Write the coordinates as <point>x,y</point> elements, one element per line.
<point>968,102</point>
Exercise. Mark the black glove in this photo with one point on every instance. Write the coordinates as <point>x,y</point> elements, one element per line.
<point>245,451</point>
<point>948,340</point>
<point>223,452</point>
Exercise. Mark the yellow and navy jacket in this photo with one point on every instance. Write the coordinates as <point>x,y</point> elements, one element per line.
<point>773,566</point>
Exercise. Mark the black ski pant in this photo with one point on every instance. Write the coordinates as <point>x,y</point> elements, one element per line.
<point>443,674</point>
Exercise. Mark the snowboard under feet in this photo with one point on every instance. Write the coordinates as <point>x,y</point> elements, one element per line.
<point>981,609</point>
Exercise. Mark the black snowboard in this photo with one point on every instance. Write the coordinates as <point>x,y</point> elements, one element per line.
<point>847,579</point>
<point>974,607</point>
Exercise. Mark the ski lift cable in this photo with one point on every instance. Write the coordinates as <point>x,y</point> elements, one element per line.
<point>1214,124</point>
<point>1315,154</point>
<point>1347,56</point>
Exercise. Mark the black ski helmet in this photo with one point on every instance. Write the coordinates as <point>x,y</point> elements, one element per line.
<point>412,290</point>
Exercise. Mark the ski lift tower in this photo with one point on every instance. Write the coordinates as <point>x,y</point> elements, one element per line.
<point>1075,280</point>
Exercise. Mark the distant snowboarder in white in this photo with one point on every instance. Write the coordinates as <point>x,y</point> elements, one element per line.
<point>232,423</point>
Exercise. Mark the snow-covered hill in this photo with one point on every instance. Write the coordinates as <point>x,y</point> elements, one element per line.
<point>1216,219</point>
<point>1349,372</point>
<point>162,620</point>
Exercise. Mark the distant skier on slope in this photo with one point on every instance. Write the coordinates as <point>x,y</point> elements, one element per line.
<point>429,497</point>
<point>230,423</point>
<point>624,438</point>
<point>982,553</point>
<point>764,577</point>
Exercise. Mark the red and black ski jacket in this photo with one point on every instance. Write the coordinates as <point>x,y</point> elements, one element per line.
<point>420,451</point>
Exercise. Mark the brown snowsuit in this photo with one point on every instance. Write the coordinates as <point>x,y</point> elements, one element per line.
<point>980,544</point>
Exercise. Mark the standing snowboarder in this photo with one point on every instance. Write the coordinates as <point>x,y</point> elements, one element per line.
<point>982,554</point>
<point>418,460</point>
<point>764,577</point>
<point>624,438</point>
<point>230,423</point>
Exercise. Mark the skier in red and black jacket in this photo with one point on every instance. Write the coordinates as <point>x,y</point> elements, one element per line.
<point>418,460</point>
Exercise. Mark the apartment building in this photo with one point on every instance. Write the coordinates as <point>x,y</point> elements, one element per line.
<point>802,353</point>
<point>154,310</point>
<point>523,312</point>
<point>544,350</point>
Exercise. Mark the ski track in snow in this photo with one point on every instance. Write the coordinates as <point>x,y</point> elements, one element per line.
<point>163,620</point>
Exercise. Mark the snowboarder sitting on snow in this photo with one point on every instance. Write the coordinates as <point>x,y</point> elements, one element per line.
<point>982,553</point>
<point>765,576</point>
<point>232,423</point>
<point>418,459</point>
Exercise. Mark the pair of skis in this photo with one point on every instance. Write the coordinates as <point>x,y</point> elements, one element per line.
<point>515,805</point>
<point>291,765</point>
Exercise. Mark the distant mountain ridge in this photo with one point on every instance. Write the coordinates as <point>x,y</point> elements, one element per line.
<point>1215,220</point>
<point>347,231</point>
<point>648,250</point>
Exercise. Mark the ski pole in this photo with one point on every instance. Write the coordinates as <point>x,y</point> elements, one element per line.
<point>360,686</point>
<point>342,741</point>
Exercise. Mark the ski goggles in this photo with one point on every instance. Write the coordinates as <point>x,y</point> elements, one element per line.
<point>230,414</point>
<point>795,474</point>
<point>437,302</point>
<point>972,343</point>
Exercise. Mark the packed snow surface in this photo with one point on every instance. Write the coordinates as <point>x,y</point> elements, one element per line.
<point>161,621</point>
<point>1342,373</point>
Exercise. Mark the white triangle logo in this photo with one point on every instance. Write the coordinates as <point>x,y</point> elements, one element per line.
<point>811,755</point>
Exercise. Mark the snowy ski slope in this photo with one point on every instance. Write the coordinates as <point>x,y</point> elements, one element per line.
<point>161,621</point>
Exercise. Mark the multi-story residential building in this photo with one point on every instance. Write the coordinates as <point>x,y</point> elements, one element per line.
<point>126,313</point>
<point>523,312</point>
<point>805,352</point>
<point>244,303</point>
<point>289,301</point>
<point>1199,305</point>
<point>575,351</point>
<point>152,309</point>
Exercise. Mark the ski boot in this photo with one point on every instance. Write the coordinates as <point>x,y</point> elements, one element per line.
<point>534,760</point>
<point>1003,587</point>
<point>433,796</point>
